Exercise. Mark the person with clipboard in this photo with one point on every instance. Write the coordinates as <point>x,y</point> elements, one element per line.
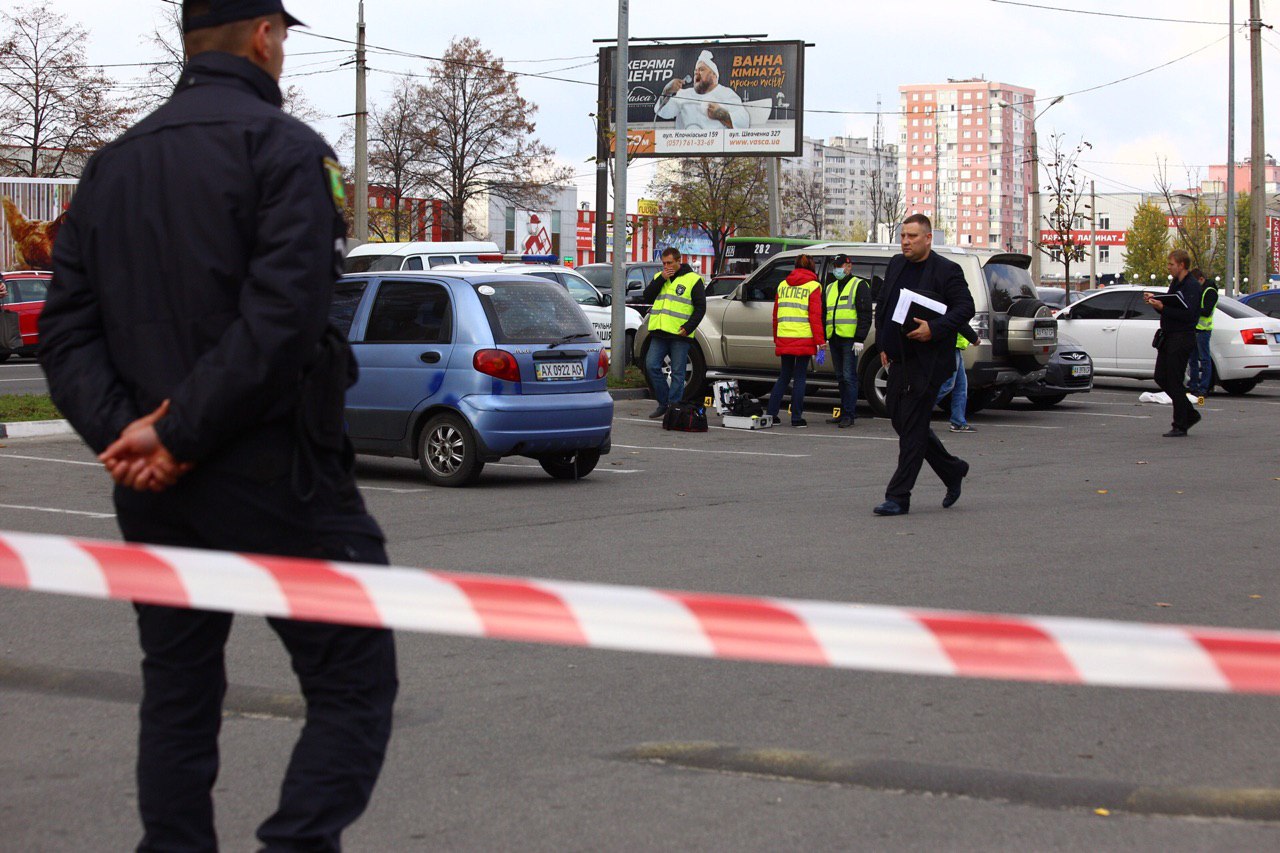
<point>1179,312</point>
<point>925,302</point>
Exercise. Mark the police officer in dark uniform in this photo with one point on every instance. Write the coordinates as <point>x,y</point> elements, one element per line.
<point>186,338</point>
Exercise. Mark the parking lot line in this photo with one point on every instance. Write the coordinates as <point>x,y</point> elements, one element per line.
<point>594,471</point>
<point>1103,415</point>
<point>49,459</point>
<point>390,489</point>
<point>60,511</point>
<point>728,452</point>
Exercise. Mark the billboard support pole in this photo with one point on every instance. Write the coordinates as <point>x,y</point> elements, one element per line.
<point>618,324</point>
<point>774,167</point>
<point>601,233</point>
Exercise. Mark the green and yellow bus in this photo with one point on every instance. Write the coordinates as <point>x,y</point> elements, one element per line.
<point>742,255</point>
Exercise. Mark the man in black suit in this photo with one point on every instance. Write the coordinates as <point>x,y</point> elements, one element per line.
<point>920,355</point>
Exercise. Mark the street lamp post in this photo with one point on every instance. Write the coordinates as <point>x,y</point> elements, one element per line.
<point>1033,238</point>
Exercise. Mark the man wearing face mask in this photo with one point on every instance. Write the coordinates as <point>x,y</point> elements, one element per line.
<point>847,308</point>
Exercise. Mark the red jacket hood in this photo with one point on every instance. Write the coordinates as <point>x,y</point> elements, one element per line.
<point>800,276</point>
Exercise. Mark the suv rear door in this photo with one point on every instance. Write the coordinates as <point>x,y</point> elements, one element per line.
<point>747,325</point>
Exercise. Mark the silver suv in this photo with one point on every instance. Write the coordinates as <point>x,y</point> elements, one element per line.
<point>1017,330</point>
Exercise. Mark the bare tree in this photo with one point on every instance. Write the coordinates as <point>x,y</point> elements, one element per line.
<point>1066,201</point>
<point>893,207</point>
<point>718,195</point>
<point>804,201</point>
<point>54,107</point>
<point>479,135</point>
<point>396,148</point>
<point>1194,232</point>
<point>165,42</point>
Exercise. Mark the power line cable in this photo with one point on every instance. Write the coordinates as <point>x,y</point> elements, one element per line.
<point>1107,14</point>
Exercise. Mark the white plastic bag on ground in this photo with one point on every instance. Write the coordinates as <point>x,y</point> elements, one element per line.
<point>1155,397</point>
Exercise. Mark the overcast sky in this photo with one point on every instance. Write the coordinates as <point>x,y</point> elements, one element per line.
<point>861,51</point>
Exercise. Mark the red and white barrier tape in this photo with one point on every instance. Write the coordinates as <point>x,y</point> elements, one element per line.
<point>814,633</point>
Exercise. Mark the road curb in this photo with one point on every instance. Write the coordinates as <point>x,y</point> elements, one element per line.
<point>28,429</point>
<point>629,393</point>
<point>1035,789</point>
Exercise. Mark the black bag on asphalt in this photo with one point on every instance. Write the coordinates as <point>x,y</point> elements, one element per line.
<point>10,334</point>
<point>685,417</point>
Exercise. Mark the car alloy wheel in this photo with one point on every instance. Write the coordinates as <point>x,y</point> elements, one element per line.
<point>447,451</point>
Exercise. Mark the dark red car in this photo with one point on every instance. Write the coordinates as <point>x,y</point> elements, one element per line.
<point>25,297</point>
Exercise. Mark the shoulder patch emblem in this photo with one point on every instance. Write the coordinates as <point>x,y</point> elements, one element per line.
<point>679,290</point>
<point>337,189</point>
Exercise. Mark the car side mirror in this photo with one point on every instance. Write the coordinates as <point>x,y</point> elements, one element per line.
<point>606,299</point>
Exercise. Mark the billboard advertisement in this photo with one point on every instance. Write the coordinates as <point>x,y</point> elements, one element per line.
<point>712,99</point>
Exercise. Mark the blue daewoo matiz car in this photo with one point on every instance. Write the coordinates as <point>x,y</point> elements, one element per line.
<point>462,368</point>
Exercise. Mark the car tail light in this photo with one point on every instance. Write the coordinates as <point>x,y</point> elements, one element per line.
<point>982,325</point>
<point>603,370</point>
<point>1254,336</point>
<point>497,363</point>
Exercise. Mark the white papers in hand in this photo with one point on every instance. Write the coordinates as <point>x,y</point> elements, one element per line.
<point>907,298</point>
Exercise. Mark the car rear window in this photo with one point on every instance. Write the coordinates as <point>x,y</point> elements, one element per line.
<point>371,263</point>
<point>1237,310</point>
<point>601,277</point>
<point>533,312</point>
<point>1006,284</point>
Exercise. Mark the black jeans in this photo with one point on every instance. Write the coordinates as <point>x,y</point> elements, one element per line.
<point>1171,370</point>
<point>910,398</point>
<point>347,674</point>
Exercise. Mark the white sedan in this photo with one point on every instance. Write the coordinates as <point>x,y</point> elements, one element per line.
<point>596,305</point>
<point>1115,326</point>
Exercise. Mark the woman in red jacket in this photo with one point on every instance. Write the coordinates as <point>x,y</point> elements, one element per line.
<point>798,334</point>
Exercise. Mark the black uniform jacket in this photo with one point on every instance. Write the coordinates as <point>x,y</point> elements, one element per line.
<point>1177,317</point>
<point>943,280</point>
<point>196,264</point>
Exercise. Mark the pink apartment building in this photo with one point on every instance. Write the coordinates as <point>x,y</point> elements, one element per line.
<point>964,159</point>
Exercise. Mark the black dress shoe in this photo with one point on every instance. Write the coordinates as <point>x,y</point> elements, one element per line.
<point>953,491</point>
<point>845,423</point>
<point>1176,432</point>
<point>890,508</point>
<point>658,412</point>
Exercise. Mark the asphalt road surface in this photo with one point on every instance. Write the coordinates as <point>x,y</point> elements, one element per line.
<point>1080,511</point>
<point>22,376</point>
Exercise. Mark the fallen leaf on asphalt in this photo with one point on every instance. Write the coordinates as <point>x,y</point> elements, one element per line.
<point>1102,812</point>
<point>1176,492</point>
<point>1255,596</point>
<point>1163,604</point>
<point>1140,463</point>
<point>1102,491</point>
<point>681,494</point>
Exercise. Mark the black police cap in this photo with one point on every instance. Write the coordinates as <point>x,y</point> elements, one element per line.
<point>200,14</point>
<point>840,260</point>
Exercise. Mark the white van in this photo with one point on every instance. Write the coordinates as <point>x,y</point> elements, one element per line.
<point>386,257</point>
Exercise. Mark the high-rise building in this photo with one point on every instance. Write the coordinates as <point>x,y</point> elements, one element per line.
<point>964,159</point>
<point>850,179</point>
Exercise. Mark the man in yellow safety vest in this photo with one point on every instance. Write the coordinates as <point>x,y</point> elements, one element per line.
<point>847,309</point>
<point>679,302</point>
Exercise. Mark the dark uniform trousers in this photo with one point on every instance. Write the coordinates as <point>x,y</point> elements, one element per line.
<point>910,398</point>
<point>1171,373</point>
<point>347,674</point>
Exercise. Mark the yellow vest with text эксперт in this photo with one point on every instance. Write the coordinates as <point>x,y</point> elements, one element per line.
<point>674,305</point>
<point>793,309</point>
